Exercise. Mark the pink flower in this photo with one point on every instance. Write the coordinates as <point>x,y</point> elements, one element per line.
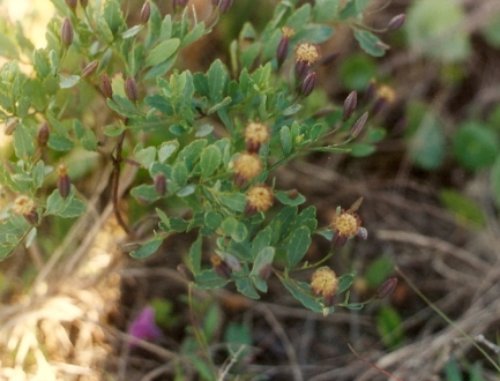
<point>144,326</point>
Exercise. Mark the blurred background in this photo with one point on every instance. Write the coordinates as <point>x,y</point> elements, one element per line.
<point>429,172</point>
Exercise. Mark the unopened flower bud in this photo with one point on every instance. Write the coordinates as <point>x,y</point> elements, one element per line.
<point>308,84</point>
<point>131,89</point>
<point>265,272</point>
<point>396,22</point>
<point>63,181</point>
<point>282,50</point>
<point>10,126</point>
<point>145,12</point>
<point>220,266</point>
<point>84,3</point>
<point>89,68</point>
<point>255,135</point>
<point>358,125</point>
<point>346,225</point>
<point>106,88</point>
<point>387,288</point>
<point>43,135</point>
<point>350,104</point>
<point>324,283</point>
<point>259,199</point>
<point>72,4</point>
<point>160,184</point>
<point>67,32</point>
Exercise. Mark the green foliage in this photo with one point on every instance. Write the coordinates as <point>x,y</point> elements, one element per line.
<point>464,209</point>
<point>136,104</point>
<point>435,29</point>
<point>475,146</point>
<point>389,326</point>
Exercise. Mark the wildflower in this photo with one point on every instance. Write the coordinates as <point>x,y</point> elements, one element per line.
<point>346,224</point>
<point>63,181</point>
<point>305,56</point>
<point>259,199</point>
<point>25,206</point>
<point>324,283</point>
<point>350,103</point>
<point>282,50</point>
<point>246,167</point>
<point>144,327</point>
<point>384,95</point>
<point>255,135</point>
<point>67,32</point>
<point>43,135</point>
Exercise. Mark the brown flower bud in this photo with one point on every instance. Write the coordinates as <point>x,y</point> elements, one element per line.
<point>67,32</point>
<point>350,104</point>
<point>396,22</point>
<point>43,134</point>
<point>63,181</point>
<point>89,68</point>
<point>25,207</point>
<point>220,266</point>
<point>106,88</point>
<point>72,4</point>
<point>358,125</point>
<point>131,89</point>
<point>387,288</point>
<point>145,12</point>
<point>308,84</point>
<point>246,167</point>
<point>10,126</point>
<point>282,50</point>
<point>160,184</point>
<point>255,135</point>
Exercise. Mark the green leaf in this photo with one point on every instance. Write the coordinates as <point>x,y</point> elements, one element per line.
<point>163,51</point>
<point>217,78</point>
<point>213,219</point>
<point>286,199</point>
<point>238,335</point>
<point>245,287</point>
<point>12,231</point>
<point>208,279</point>
<point>325,10</point>
<point>234,201</point>
<point>210,160</point>
<point>147,249</point>
<point>191,153</point>
<point>302,292</point>
<point>68,81</point>
<point>23,142</point>
<point>435,29</point>
<point>194,34</point>
<point>113,15</point>
<point>194,255</point>
<point>145,156</point>
<point>286,140</point>
<point>167,149</point>
<point>300,17</point>
<point>427,145</point>
<point>465,209</point>
<point>237,230</point>
<point>164,220</point>
<point>345,283</point>
<point>263,259</point>
<point>69,207</point>
<point>370,43</point>
<point>297,245</point>
<point>261,241</point>
<point>362,149</point>
<point>389,326</point>
<point>131,32</point>
<point>186,191</point>
<point>59,142</point>
<point>145,193</point>
<point>378,271</point>
<point>475,145</point>
<point>356,71</point>
<point>180,173</point>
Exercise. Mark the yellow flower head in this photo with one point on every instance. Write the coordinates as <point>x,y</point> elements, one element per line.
<point>307,53</point>
<point>23,205</point>
<point>246,166</point>
<point>255,135</point>
<point>346,224</point>
<point>259,199</point>
<point>324,283</point>
<point>287,31</point>
<point>386,93</point>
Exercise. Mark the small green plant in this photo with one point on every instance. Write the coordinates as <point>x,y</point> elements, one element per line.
<point>109,100</point>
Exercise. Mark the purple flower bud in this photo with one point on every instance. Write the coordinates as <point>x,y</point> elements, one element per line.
<point>301,69</point>
<point>72,4</point>
<point>144,327</point>
<point>106,88</point>
<point>43,135</point>
<point>131,89</point>
<point>387,288</point>
<point>308,84</point>
<point>350,104</point>
<point>358,126</point>
<point>145,12</point>
<point>67,32</point>
<point>282,50</point>
<point>90,68</point>
<point>396,22</point>
<point>63,181</point>
<point>160,184</point>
